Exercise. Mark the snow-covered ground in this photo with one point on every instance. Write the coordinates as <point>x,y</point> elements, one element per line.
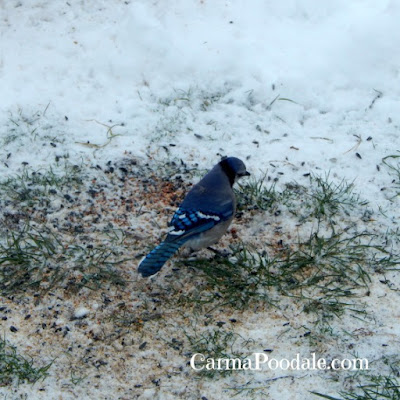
<point>291,87</point>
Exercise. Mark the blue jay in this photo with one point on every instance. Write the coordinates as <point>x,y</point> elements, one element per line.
<point>202,218</point>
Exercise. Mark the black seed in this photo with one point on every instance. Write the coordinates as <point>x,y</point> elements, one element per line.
<point>92,193</point>
<point>142,346</point>
<point>13,329</point>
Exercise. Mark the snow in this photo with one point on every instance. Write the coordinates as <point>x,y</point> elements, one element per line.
<point>290,87</point>
<point>81,312</point>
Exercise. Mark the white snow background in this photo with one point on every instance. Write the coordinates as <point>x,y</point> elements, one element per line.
<point>292,86</point>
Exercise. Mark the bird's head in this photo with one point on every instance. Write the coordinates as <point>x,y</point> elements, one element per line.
<point>234,168</point>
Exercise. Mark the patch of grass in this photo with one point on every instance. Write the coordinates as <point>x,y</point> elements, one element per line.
<point>367,386</point>
<point>322,200</point>
<point>33,254</point>
<point>236,280</point>
<point>24,258</point>
<point>326,273</point>
<point>378,387</point>
<point>14,368</point>
<point>35,188</point>
<point>328,197</point>
<point>326,269</point>
<point>38,258</point>
<point>255,194</point>
<point>93,266</point>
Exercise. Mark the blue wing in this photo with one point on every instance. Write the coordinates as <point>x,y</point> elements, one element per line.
<point>189,222</point>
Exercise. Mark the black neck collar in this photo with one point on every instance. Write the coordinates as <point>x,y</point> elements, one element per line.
<point>230,173</point>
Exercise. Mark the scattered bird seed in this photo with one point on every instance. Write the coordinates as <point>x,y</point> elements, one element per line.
<point>143,346</point>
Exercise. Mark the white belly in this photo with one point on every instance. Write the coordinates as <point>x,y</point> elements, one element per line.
<point>209,237</point>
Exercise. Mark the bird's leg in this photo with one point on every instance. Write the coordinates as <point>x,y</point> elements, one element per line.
<point>187,253</point>
<point>221,253</point>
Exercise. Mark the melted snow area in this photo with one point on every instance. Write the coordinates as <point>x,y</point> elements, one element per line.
<point>111,110</point>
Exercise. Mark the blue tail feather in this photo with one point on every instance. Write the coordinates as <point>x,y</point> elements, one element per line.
<point>154,261</point>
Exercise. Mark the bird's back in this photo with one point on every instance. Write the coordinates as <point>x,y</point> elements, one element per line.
<point>213,191</point>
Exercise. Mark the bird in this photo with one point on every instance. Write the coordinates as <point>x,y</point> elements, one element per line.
<point>203,217</point>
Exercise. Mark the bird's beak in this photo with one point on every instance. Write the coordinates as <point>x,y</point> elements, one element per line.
<point>247,173</point>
